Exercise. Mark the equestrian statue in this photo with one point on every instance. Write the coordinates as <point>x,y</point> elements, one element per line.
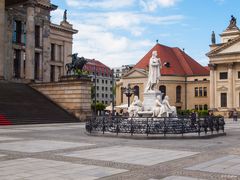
<point>76,64</point>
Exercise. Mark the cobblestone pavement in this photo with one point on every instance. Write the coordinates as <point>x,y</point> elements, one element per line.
<point>64,151</point>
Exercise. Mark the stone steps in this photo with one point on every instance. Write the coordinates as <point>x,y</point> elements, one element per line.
<point>21,104</point>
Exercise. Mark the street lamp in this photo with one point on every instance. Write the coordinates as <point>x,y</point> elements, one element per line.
<point>128,92</point>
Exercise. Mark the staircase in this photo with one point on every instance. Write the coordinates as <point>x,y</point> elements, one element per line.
<point>20,104</point>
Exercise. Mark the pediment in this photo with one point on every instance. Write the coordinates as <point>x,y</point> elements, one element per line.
<point>232,46</point>
<point>231,49</point>
<point>136,73</point>
<point>222,88</point>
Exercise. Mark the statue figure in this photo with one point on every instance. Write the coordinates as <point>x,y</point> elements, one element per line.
<point>154,72</point>
<point>213,38</point>
<point>158,109</point>
<point>233,22</point>
<point>135,107</point>
<point>76,64</point>
<point>168,109</point>
<point>65,16</point>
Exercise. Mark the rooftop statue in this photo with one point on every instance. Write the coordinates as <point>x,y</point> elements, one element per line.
<point>76,64</point>
<point>233,23</point>
<point>154,72</point>
<point>65,16</point>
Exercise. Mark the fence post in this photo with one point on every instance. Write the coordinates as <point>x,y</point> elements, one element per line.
<point>147,127</point>
<point>131,126</point>
<point>164,128</point>
<point>103,123</point>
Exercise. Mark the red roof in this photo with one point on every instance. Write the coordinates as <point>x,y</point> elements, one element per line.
<point>100,67</point>
<point>180,63</point>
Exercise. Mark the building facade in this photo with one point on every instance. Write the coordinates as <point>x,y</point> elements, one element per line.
<point>224,63</point>
<point>184,80</point>
<point>32,48</point>
<point>104,81</point>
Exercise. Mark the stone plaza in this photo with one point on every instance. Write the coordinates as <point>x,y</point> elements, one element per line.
<point>65,151</point>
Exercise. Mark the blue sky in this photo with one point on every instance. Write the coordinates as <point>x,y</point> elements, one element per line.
<point>119,32</point>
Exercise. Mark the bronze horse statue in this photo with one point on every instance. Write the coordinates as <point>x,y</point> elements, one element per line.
<point>76,64</point>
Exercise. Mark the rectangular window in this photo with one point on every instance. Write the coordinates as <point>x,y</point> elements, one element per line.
<point>238,74</point>
<point>102,88</point>
<point>17,32</point>
<point>102,95</point>
<point>37,36</point>
<point>106,88</point>
<point>200,107</point>
<point>205,91</point>
<point>200,91</point>
<point>53,52</point>
<point>106,96</point>
<point>223,75</point>
<point>97,80</point>
<point>97,87</point>
<point>196,91</point>
<point>223,99</point>
<point>106,81</point>
<point>97,95</point>
<point>103,81</point>
<point>106,102</point>
<point>59,53</point>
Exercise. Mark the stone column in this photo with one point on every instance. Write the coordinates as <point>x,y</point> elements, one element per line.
<point>212,86</point>
<point>30,44</point>
<point>230,85</point>
<point>46,51</point>
<point>2,37</point>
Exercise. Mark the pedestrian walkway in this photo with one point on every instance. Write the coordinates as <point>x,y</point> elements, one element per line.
<point>65,152</point>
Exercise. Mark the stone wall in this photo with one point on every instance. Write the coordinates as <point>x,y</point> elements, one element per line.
<point>74,96</point>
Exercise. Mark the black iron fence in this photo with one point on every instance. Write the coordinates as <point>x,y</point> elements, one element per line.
<point>154,126</point>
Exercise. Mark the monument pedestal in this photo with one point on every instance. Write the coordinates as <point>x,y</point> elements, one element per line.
<point>149,99</point>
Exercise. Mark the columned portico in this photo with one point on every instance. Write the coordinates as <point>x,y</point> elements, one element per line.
<point>2,36</point>
<point>30,43</point>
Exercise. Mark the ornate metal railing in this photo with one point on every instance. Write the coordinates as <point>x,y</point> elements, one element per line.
<point>154,126</point>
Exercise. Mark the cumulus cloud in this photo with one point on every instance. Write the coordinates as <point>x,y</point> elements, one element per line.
<point>105,4</point>
<point>152,5</point>
<point>113,30</point>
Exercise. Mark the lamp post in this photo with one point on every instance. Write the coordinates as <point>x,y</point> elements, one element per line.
<point>128,92</point>
<point>113,92</point>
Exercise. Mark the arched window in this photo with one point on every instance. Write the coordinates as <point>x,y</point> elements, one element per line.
<point>178,94</point>
<point>136,91</point>
<point>162,88</point>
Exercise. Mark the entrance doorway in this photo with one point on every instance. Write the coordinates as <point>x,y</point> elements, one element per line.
<point>16,63</point>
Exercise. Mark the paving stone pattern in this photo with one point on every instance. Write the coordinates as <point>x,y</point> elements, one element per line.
<point>65,151</point>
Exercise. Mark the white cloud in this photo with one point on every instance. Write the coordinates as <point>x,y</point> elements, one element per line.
<point>105,4</point>
<point>152,5</point>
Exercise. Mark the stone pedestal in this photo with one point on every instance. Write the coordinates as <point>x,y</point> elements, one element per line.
<point>149,100</point>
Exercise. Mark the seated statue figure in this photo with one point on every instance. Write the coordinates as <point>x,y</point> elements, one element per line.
<point>158,108</point>
<point>168,109</point>
<point>135,107</point>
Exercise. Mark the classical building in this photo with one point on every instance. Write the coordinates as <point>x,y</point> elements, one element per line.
<point>104,80</point>
<point>31,47</point>
<point>224,63</point>
<point>184,80</point>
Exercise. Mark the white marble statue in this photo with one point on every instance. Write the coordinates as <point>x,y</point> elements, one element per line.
<point>167,108</point>
<point>154,72</point>
<point>135,107</point>
<point>158,109</point>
